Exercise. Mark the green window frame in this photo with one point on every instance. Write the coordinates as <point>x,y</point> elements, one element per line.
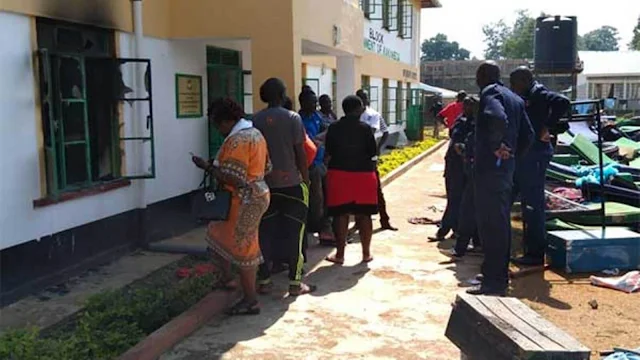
<point>390,15</point>
<point>374,96</point>
<point>405,19</point>
<point>372,9</point>
<point>65,105</point>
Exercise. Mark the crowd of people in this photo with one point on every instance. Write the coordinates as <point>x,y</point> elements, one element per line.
<point>292,174</point>
<point>501,144</point>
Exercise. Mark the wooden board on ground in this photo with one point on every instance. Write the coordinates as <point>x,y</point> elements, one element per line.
<point>495,328</point>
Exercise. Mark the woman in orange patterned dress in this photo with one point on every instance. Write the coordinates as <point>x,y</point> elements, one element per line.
<point>240,167</point>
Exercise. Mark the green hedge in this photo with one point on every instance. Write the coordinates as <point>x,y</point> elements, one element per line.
<point>110,323</point>
<point>397,158</point>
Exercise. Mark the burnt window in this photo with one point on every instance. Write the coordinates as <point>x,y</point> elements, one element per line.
<point>89,112</point>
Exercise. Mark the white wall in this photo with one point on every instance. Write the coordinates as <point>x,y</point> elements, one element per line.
<point>176,138</point>
<point>326,79</point>
<point>385,42</point>
<point>19,160</point>
<point>20,180</point>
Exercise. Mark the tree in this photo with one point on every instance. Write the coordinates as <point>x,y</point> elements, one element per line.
<point>495,35</point>
<point>602,39</point>
<point>440,48</point>
<point>510,42</point>
<point>635,42</point>
<point>519,45</point>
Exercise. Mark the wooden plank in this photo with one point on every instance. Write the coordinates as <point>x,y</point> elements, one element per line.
<point>485,328</point>
<point>547,328</point>
<point>516,328</point>
<point>472,330</point>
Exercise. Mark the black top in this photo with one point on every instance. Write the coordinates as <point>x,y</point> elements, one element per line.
<point>351,145</point>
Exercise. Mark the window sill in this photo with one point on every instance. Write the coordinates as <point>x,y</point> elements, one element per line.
<point>78,194</point>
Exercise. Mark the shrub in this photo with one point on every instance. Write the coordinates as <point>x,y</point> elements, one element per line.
<point>398,157</point>
<point>110,323</point>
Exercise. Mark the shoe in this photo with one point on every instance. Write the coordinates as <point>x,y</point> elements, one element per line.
<point>529,260</point>
<point>454,254</point>
<point>479,277</point>
<point>480,290</point>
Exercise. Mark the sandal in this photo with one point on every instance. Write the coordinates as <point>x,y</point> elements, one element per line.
<point>302,289</point>
<point>229,284</point>
<point>244,307</point>
<point>335,260</point>
<point>265,289</point>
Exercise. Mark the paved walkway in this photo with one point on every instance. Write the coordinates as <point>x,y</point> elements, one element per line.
<point>396,308</point>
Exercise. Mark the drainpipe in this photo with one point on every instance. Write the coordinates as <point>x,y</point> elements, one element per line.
<point>138,120</point>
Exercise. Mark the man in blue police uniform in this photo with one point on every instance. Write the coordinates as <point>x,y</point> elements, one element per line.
<point>544,109</point>
<point>503,132</point>
<point>463,137</point>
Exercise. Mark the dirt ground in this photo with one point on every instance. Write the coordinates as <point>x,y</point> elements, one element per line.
<point>565,302</point>
<point>398,307</point>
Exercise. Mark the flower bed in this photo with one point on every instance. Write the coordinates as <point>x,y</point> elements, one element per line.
<point>396,158</point>
<point>113,321</point>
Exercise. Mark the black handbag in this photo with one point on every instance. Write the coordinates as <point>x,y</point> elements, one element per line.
<point>210,203</point>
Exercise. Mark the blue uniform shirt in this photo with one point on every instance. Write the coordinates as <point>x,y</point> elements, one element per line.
<point>463,133</point>
<point>314,125</point>
<point>502,119</point>
<point>544,108</point>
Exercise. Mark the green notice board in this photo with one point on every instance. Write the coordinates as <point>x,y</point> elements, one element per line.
<point>188,96</point>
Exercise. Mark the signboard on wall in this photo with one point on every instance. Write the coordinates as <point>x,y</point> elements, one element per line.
<point>188,96</point>
<point>385,43</point>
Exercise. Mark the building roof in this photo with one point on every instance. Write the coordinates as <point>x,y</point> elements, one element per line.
<point>430,4</point>
<point>445,93</point>
<point>610,62</point>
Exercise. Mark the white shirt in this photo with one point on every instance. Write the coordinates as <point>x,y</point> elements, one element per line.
<point>373,118</point>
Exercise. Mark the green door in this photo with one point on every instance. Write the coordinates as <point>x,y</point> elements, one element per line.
<point>415,119</point>
<point>224,79</point>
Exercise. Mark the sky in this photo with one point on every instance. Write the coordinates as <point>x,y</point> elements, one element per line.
<point>462,20</point>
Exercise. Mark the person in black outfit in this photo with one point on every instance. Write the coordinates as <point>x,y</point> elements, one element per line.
<point>352,183</point>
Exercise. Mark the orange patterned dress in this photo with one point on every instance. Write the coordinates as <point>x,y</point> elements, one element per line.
<point>243,161</point>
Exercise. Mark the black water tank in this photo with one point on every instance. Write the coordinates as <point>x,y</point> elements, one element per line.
<point>556,44</point>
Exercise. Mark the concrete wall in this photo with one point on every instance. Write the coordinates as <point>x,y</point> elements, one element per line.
<point>20,131</point>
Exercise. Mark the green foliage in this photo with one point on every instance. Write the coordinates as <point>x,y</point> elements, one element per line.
<point>495,35</point>
<point>111,323</point>
<point>515,41</point>
<point>397,158</point>
<point>520,44</point>
<point>602,39</point>
<point>440,48</point>
<point>635,41</point>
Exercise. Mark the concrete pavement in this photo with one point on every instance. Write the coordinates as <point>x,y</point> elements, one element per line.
<point>397,307</point>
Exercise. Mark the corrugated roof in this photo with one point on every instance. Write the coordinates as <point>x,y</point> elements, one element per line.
<point>610,62</point>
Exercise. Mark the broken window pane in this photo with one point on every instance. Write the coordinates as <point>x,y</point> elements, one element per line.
<point>71,78</point>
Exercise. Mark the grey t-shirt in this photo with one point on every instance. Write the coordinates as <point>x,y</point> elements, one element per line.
<point>282,129</point>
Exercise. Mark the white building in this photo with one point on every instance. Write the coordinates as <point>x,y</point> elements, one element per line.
<point>102,102</point>
<point>604,69</point>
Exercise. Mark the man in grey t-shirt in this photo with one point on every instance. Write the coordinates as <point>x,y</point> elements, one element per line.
<point>282,229</point>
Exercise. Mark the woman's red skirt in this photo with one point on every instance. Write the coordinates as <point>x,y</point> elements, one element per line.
<point>352,192</point>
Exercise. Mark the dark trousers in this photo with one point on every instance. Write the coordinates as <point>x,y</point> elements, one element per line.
<point>467,228</point>
<point>382,204</point>
<point>529,183</point>
<point>282,232</point>
<point>315,219</point>
<point>493,216</point>
<point>454,180</point>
